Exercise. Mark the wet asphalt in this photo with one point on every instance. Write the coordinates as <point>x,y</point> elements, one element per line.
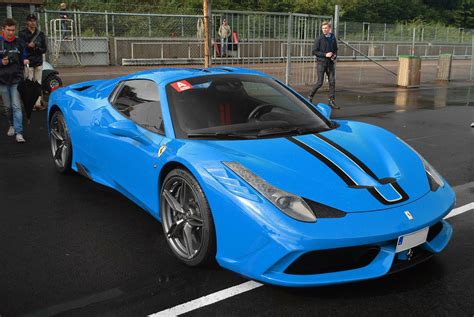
<point>74,248</point>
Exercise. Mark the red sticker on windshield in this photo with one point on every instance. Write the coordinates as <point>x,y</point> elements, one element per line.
<point>181,85</point>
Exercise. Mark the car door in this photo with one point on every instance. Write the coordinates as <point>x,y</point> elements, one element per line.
<point>130,131</point>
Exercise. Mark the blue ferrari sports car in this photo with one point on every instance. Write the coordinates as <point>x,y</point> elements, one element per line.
<point>243,171</point>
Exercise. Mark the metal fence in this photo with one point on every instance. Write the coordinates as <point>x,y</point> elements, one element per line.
<point>366,31</point>
<point>277,43</point>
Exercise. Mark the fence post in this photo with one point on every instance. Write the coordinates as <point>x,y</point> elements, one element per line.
<point>113,25</point>
<point>9,11</point>
<point>106,24</point>
<point>46,22</point>
<point>471,76</point>
<point>336,21</point>
<point>288,49</point>
<point>385,31</point>
<point>149,25</point>
<point>413,41</point>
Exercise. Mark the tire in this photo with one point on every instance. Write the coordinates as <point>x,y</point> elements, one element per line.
<point>60,140</point>
<point>186,219</point>
<point>50,83</point>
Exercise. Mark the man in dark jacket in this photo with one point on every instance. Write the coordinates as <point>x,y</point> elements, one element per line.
<point>325,49</point>
<point>13,56</point>
<point>36,46</point>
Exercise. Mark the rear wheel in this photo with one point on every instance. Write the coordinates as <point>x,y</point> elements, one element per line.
<point>186,219</point>
<point>60,140</point>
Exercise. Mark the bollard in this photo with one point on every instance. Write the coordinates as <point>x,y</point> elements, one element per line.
<point>409,71</point>
<point>444,67</point>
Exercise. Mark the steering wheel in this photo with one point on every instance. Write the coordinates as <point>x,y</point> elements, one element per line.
<point>260,110</point>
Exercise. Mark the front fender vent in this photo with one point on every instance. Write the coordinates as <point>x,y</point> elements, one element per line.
<point>82,88</point>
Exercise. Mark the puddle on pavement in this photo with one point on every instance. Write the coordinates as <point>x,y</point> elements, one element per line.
<point>412,99</point>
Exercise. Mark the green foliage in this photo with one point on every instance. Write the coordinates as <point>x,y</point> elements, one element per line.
<point>457,13</point>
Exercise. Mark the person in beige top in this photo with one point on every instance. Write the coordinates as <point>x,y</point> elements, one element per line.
<point>224,33</point>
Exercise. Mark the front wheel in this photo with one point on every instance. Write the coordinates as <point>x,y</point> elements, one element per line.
<point>186,219</point>
<point>60,140</point>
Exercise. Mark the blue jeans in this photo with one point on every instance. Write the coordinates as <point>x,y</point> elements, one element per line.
<point>12,103</point>
<point>224,43</point>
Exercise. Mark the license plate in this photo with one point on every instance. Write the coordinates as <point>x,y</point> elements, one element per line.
<point>411,240</point>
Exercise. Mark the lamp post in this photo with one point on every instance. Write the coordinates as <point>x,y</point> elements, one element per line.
<point>205,7</point>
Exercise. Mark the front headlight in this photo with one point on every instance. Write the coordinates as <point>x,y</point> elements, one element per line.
<point>292,205</point>
<point>434,178</point>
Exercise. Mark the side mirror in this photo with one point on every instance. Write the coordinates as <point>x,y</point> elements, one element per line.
<point>128,129</point>
<point>324,109</point>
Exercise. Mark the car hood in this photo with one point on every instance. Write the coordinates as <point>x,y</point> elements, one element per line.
<point>355,168</point>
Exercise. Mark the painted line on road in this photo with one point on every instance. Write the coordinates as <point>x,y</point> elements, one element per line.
<point>460,210</point>
<point>250,285</point>
<point>209,299</point>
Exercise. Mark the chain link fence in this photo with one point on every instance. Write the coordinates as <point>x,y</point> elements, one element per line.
<point>277,43</point>
<point>365,31</point>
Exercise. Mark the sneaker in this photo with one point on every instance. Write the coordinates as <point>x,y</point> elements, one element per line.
<point>11,131</point>
<point>332,104</point>
<point>20,138</point>
<point>310,98</point>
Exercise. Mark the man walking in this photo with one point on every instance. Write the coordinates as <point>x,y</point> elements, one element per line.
<point>35,48</point>
<point>325,49</point>
<point>13,56</point>
<point>64,19</point>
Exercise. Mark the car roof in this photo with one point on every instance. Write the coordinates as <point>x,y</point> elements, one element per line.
<point>160,75</point>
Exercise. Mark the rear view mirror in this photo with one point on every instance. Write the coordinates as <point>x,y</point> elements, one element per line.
<point>324,109</point>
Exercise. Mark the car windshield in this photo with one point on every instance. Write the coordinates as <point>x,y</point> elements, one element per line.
<point>234,106</point>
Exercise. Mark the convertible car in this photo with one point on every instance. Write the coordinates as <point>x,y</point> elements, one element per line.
<point>243,171</point>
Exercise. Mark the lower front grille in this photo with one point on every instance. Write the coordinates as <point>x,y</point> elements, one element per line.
<point>333,260</point>
<point>434,230</point>
<point>419,255</point>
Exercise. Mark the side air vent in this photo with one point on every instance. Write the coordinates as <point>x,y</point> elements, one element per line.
<point>82,88</point>
<point>225,69</point>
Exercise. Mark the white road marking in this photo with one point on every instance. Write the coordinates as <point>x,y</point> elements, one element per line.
<point>460,210</point>
<point>209,299</point>
<point>250,285</point>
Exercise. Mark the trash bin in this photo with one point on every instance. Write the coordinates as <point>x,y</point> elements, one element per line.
<point>409,71</point>
<point>444,67</point>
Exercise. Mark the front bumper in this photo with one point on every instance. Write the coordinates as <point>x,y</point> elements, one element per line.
<point>272,250</point>
<point>385,262</point>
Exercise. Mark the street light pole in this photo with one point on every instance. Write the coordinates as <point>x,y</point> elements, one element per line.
<point>205,7</point>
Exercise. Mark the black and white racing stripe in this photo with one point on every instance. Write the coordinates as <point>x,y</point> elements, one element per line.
<point>402,195</point>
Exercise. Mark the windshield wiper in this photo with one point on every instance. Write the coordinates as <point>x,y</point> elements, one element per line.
<point>289,130</point>
<point>221,135</point>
